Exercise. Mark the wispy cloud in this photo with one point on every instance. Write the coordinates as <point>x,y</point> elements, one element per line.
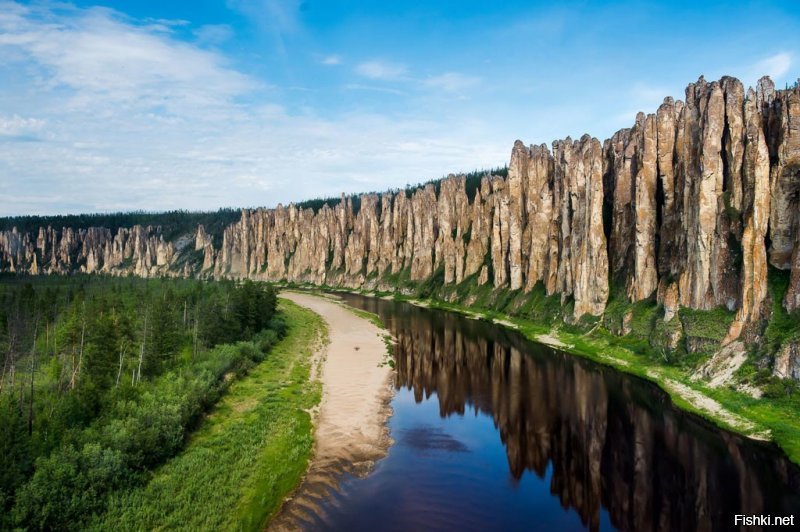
<point>276,15</point>
<point>381,70</point>
<point>372,88</point>
<point>278,18</point>
<point>99,55</point>
<point>775,66</point>
<point>641,96</point>
<point>645,94</point>
<point>17,126</point>
<point>129,116</point>
<point>331,60</point>
<point>213,34</point>
<point>452,82</point>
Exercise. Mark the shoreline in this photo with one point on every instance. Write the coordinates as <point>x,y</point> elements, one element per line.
<point>350,429</point>
<point>726,409</point>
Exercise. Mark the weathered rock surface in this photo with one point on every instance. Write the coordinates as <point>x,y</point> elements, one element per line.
<point>688,206</point>
<point>603,448</point>
<point>787,362</point>
<point>138,250</point>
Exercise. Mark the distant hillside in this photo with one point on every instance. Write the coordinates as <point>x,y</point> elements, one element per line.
<point>173,223</point>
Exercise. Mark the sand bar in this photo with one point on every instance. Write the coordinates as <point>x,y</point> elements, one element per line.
<point>351,432</point>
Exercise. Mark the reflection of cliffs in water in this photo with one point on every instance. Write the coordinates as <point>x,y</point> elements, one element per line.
<point>612,439</point>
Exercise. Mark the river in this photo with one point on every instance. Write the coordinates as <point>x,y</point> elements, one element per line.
<point>494,432</point>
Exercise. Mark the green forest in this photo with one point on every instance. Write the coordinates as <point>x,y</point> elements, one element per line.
<point>172,223</point>
<point>103,379</point>
<point>472,182</point>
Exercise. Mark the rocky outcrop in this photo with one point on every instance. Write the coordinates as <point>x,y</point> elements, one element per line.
<point>787,361</point>
<point>603,441</point>
<point>138,250</point>
<point>782,113</point>
<point>688,206</point>
<point>581,251</point>
<point>753,198</point>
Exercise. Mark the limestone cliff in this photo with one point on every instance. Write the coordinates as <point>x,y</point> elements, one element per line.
<point>137,250</point>
<point>688,206</point>
<point>632,459</point>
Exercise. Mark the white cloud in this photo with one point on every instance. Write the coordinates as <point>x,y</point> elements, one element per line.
<point>98,55</point>
<point>331,60</point>
<point>278,15</point>
<point>279,18</point>
<point>381,70</point>
<point>20,127</point>
<point>128,116</point>
<point>452,82</point>
<point>373,88</point>
<point>774,66</point>
<point>641,97</point>
<point>213,34</point>
<point>646,94</point>
<point>777,66</point>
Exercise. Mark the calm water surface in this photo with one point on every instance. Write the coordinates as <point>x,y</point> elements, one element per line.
<point>493,432</point>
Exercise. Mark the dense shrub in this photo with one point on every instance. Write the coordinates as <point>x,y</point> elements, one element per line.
<point>69,486</point>
<point>78,431</point>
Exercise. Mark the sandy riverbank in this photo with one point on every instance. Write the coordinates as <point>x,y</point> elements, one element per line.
<point>351,432</point>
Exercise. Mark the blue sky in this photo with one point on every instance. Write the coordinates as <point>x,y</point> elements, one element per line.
<point>123,105</point>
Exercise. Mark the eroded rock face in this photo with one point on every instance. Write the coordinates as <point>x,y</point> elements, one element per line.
<point>783,116</point>
<point>787,362</point>
<point>140,250</point>
<point>590,429</point>
<point>756,207</point>
<point>678,208</point>
<point>581,256</point>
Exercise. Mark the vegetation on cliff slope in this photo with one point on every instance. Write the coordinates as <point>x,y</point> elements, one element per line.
<point>634,338</point>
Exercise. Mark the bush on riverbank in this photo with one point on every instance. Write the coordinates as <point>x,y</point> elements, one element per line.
<point>249,452</point>
<point>136,435</point>
<point>113,383</point>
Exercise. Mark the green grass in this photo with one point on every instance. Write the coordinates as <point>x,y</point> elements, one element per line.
<point>369,316</point>
<point>706,324</point>
<point>535,313</point>
<point>783,326</point>
<point>779,415</point>
<point>246,456</point>
<point>400,279</point>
